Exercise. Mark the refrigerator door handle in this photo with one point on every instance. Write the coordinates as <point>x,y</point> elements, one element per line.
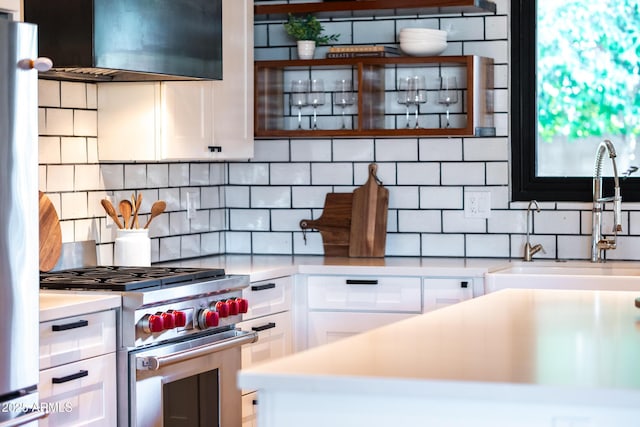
<point>25,419</point>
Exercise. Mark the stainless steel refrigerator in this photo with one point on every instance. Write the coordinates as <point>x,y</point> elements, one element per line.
<point>19,241</point>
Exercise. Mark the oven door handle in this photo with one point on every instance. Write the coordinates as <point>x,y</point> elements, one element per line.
<point>154,363</point>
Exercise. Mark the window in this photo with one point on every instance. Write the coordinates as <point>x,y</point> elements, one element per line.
<point>574,83</point>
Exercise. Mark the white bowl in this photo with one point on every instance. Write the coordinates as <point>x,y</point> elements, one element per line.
<point>423,48</point>
<point>423,32</point>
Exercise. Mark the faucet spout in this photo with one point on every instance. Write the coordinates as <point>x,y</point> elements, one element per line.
<point>600,244</point>
<point>529,250</point>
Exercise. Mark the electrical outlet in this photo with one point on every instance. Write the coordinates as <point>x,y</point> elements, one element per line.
<point>477,204</point>
<point>193,201</point>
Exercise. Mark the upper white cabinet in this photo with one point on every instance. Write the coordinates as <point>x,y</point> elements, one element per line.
<point>12,7</point>
<point>185,120</point>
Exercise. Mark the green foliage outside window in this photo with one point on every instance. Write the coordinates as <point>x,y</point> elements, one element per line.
<point>588,68</point>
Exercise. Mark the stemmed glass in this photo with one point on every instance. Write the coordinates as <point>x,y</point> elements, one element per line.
<point>316,97</point>
<point>412,92</point>
<point>448,93</point>
<point>343,96</point>
<point>298,97</point>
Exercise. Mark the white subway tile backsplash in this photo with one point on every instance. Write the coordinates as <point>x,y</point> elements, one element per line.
<point>178,223</point>
<point>469,28</point>
<point>456,222</point>
<point>86,177</point>
<point>467,173</point>
<point>419,221</point>
<point>309,197</point>
<point>557,222</point>
<point>85,123</point>
<point>171,196</point>
<point>169,248</point>
<point>250,219</point>
<point>369,32</point>
<point>237,197</point>
<point>135,176</point>
<point>271,151</point>
<point>59,178</point>
<point>574,247</point>
<point>199,174</point>
<point>446,149</point>
<point>502,221</point>
<point>73,150</point>
<point>406,244</point>
<point>290,174</point>
<point>58,122</point>
<point>308,150</point>
<point>486,149</point>
<point>238,242</point>
<point>390,150</point>
<point>73,205</point>
<point>271,197</point>
<point>157,175</point>
<point>248,174</point>
<point>211,243</point>
<point>441,198</point>
<point>311,246</point>
<point>332,174</point>
<point>49,150</point>
<point>189,246</point>
<point>441,245</point>
<point>498,173</point>
<point>418,173</point>
<point>288,219</point>
<point>272,243</point>
<point>210,198</point>
<point>73,95</point>
<point>477,244</point>
<point>496,27</point>
<point>178,174</point>
<point>403,197</point>
<point>200,222</point>
<point>48,93</point>
<point>353,150</point>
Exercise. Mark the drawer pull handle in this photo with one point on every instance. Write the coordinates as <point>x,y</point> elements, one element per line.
<point>361,282</point>
<point>263,287</point>
<point>67,326</point>
<point>82,373</point>
<point>464,284</point>
<point>269,325</point>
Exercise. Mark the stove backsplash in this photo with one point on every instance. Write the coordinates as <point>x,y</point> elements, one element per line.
<point>77,255</point>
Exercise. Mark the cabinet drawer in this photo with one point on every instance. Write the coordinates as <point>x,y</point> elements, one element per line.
<point>268,297</point>
<point>249,410</point>
<point>83,393</point>
<point>365,293</point>
<point>75,338</point>
<point>441,292</point>
<point>275,338</point>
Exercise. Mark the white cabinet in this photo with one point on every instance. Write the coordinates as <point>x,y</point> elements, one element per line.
<point>12,7</point>
<point>443,291</point>
<point>270,314</point>
<point>77,370</point>
<point>341,306</point>
<point>185,120</point>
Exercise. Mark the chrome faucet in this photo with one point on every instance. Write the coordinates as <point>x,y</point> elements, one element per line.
<point>529,250</point>
<point>599,243</point>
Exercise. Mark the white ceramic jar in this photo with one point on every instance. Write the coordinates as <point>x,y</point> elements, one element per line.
<point>132,248</point>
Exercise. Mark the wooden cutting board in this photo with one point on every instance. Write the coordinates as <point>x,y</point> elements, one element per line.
<point>334,224</point>
<point>50,234</point>
<point>369,208</point>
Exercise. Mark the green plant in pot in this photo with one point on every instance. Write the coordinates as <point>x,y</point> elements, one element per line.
<point>307,31</point>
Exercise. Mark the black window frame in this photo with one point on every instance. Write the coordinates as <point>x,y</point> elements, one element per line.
<point>525,185</point>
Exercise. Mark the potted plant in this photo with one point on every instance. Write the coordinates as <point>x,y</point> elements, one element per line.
<point>308,33</point>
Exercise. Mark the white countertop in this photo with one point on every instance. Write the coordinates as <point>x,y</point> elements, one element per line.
<point>528,345</point>
<point>263,267</point>
<point>60,304</point>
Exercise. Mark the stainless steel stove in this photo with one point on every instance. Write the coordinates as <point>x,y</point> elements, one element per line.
<point>177,332</point>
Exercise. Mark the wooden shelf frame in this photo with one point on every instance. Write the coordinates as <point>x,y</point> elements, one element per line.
<point>270,97</point>
<point>342,9</point>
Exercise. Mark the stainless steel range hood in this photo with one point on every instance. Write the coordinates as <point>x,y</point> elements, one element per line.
<point>129,40</point>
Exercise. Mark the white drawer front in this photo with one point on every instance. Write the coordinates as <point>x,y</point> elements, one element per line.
<point>402,294</point>
<point>275,338</point>
<point>75,338</point>
<point>84,393</point>
<point>441,292</point>
<point>268,297</point>
<point>249,410</point>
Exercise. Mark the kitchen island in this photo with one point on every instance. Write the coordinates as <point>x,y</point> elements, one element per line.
<point>515,357</point>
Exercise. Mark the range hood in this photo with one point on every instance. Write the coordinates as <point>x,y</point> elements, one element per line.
<point>129,40</point>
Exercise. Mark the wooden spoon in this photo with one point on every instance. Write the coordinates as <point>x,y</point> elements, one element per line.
<point>126,208</point>
<point>111,211</point>
<point>136,209</point>
<point>156,209</point>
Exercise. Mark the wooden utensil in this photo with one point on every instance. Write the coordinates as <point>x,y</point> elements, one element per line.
<point>125,210</point>
<point>156,209</point>
<point>50,234</point>
<point>369,218</point>
<point>334,224</point>
<point>111,211</point>
<point>136,208</point>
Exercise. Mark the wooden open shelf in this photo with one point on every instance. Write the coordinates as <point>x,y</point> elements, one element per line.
<point>340,9</point>
<point>373,116</point>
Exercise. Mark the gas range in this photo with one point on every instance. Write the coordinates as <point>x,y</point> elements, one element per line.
<point>161,303</point>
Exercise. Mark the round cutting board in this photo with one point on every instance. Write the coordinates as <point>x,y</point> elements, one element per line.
<point>50,234</point>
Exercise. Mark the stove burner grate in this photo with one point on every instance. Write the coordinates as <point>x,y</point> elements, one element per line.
<point>116,278</point>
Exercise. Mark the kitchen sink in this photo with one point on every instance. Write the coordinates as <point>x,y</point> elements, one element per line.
<point>623,276</point>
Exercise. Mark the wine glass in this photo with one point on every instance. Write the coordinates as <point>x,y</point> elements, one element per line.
<point>417,93</point>
<point>404,95</point>
<point>448,93</point>
<point>316,97</point>
<point>298,97</point>
<point>343,96</point>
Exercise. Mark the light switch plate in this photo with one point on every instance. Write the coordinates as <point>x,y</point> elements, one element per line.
<point>477,204</point>
<point>193,201</point>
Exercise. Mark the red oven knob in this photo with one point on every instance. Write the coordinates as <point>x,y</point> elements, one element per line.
<point>152,323</point>
<point>233,307</point>
<point>208,319</point>
<point>179,317</point>
<point>168,320</point>
<point>222,308</point>
<point>243,305</point>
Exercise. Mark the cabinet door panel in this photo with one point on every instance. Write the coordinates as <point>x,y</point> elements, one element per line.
<point>268,297</point>
<point>441,292</point>
<point>80,393</point>
<point>327,327</point>
<point>275,338</point>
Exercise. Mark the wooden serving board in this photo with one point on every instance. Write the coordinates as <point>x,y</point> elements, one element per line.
<point>334,224</point>
<point>368,232</point>
<point>50,234</point>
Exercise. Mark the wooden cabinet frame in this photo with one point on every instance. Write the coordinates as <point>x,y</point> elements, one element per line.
<point>477,102</point>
